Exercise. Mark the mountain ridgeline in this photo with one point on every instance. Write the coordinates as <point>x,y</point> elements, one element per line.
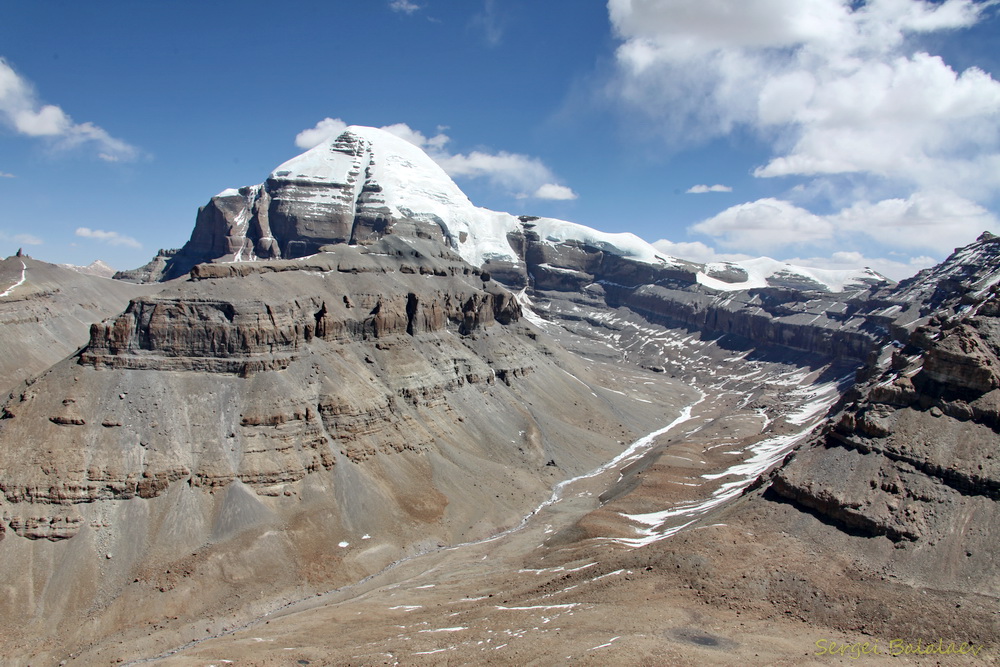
<point>368,184</point>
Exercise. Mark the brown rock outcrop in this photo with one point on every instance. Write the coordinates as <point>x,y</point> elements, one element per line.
<point>961,359</point>
<point>251,335</point>
<point>913,451</point>
<point>227,379</point>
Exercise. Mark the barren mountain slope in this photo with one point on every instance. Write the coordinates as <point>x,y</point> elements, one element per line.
<point>46,312</point>
<point>262,430</point>
<point>877,534</point>
<point>884,522</point>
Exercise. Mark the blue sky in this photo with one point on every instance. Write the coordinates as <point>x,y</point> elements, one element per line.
<point>835,133</point>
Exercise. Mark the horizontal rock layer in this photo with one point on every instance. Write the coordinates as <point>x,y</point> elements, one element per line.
<point>249,335</point>
<point>822,323</point>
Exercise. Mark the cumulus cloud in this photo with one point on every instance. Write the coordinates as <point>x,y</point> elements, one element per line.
<point>512,171</point>
<point>896,269</point>
<point>696,251</point>
<point>836,84</point>
<point>324,130</point>
<point>890,268</point>
<point>417,138</point>
<point>111,238</point>
<point>926,220</point>
<point>908,119</point>
<point>851,107</point>
<point>765,225</point>
<point>331,128</point>
<point>21,110</point>
<point>404,6</point>
<point>703,189</point>
<point>555,192</point>
<point>933,220</point>
<point>522,175</point>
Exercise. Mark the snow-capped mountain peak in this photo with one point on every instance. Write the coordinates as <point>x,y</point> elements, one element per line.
<point>354,188</point>
<point>367,183</point>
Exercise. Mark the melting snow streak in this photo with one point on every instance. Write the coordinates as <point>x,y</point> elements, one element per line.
<point>763,455</point>
<point>24,271</point>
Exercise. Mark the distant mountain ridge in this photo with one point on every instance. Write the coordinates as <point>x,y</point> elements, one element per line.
<point>95,268</point>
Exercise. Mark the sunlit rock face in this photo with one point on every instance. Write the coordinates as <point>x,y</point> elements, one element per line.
<point>388,389</point>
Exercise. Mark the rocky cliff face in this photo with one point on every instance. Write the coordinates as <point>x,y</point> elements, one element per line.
<point>912,454</point>
<point>807,318</point>
<point>336,193</point>
<point>247,335</point>
<point>233,320</point>
<point>367,185</point>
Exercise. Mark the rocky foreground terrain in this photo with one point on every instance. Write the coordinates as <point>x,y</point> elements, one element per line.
<point>356,420</point>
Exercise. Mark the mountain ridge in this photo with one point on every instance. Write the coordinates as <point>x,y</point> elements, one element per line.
<point>368,182</point>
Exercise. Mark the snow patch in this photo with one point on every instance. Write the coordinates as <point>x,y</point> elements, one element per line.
<point>24,272</point>
<point>760,270</point>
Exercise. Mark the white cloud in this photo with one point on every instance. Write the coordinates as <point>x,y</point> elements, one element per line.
<point>324,130</point>
<point>21,110</point>
<point>932,220</point>
<point>909,119</point>
<point>843,260</point>
<point>850,106</point>
<point>112,238</point>
<point>522,175</point>
<point>765,225</point>
<point>4,174</point>
<point>890,268</point>
<point>555,192</point>
<point>513,171</point>
<point>417,138</point>
<point>696,251</point>
<point>835,84</point>
<point>404,6</point>
<point>331,128</point>
<point>926,220</point>
<point>703,189</point>
<point>21,239</point>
